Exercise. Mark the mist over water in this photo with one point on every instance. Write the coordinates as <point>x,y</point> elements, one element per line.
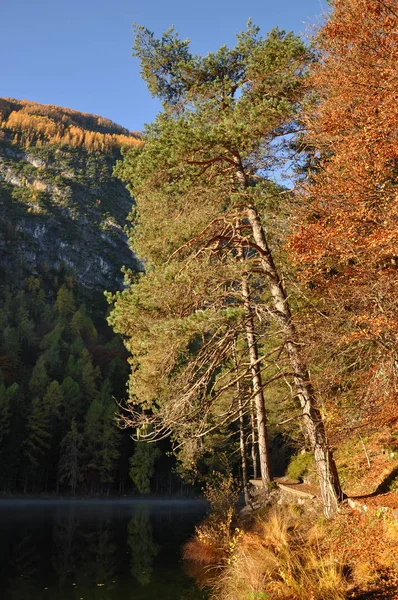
<point>96,549</point>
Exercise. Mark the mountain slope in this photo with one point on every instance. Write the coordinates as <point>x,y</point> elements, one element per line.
<point>60,207</point>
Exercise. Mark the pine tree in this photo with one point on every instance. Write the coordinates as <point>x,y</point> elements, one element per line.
<point>39,379</point>
<point>142,465</point>
<point>37,442</point>
<point>202,185</point>
<point>65,302</point>
<point>110,441</point>
<point>88,375</point>
<point>72,399</point>
<point>83,324</point>
<point>92,445</point>
<point>70,468</point>
<point>4,413</point>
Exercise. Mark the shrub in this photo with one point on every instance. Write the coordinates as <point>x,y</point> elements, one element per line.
<point>300,465</point>
<point>216,538</point>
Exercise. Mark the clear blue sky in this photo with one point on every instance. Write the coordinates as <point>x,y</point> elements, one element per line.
<point>77,53</point>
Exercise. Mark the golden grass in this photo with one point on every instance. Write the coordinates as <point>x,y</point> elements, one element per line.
<point>278,561</point>
<point>201,552</point>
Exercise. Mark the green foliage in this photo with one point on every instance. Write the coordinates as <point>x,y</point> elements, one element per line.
<point>82,323</point>
<point>142,466</point>
<point>65,303</point>
<point>37,441</point>
<point>300,465</point>
<point>70,467</point>
<point>39,379</point>
<point>208,159</point>
<point>222,492</point>
<point>143,549</point>
<point>61,392</point>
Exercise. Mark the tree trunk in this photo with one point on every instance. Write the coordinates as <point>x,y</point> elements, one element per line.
<point>242,441</point>
<point>253,441</point>
<point>243,455</point>
<point>327,472</point>
<point>258,393</point>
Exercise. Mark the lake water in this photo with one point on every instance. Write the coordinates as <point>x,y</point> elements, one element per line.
<point>96,550</point>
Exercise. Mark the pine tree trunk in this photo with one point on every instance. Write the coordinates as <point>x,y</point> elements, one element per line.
<point>327,472</point>
<point>243,455</point>
<point>254,441</point>
<point>258,393</point>
<point>242,442</point>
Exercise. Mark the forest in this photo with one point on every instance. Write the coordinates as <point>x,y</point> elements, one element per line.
<point>62,369</point>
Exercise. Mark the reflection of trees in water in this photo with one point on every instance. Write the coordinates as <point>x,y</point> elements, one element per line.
<point>98,554</point>
<point>81,553</point>
<point>84,553</point>
<point>65,556</point>
<point>142,547</point>
<point>23,565</point>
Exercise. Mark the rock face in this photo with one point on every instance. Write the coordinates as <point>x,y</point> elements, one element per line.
<point>60,206</point>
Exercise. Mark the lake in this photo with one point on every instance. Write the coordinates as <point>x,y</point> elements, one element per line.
<point>96,550</point>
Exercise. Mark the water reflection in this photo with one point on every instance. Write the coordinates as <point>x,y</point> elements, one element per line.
<point>95,551</point>
<point>142,547</point>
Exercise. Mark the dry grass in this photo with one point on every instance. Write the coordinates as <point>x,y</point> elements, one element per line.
<point>366,544</point>
<point>203,553</point>
<point>214,541</point>
<point>299,555</point>
<point>352,461</point>
<point>278,561</point>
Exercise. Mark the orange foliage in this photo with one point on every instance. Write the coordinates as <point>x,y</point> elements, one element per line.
<point>347,246</point>
<point>31,122</point>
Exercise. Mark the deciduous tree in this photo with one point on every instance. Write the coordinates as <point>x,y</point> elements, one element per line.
<point>346,239</point>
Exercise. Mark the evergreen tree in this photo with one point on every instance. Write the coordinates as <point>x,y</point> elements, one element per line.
<point>110,451</point>
<point>203,190</point>
<point>11,344</point>
<point>142,465</point>
<point>51,354</point>
<point>37,442</point>
<point>88,375</point>
<point>53,399</point>
<point>70,468</point>
<point>4,413</point>
<point>102,439</point>
<point>39,379</point>
<point>92,445</point>
<point>72,399</point>
<point>65,302</point>
<point>83,324</point>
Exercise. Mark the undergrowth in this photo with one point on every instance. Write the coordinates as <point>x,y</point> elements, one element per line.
<point>216,537</point>
<point>299,555</point>
<point>280,560</point>
<point>300,465</point>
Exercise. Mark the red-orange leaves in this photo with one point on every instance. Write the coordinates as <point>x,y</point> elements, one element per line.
<point>346,241</point>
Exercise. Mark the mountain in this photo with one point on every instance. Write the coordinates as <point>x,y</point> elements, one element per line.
<point>62,244</point>
<point>60,206</point>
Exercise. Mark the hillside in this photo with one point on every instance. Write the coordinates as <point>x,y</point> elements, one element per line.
<point>62,244</point>
<point>55,183</point>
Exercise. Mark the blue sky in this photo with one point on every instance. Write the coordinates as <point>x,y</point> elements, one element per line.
<point>77,53</point>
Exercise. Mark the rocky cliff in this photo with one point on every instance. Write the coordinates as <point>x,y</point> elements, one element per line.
<point>60,206</point>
